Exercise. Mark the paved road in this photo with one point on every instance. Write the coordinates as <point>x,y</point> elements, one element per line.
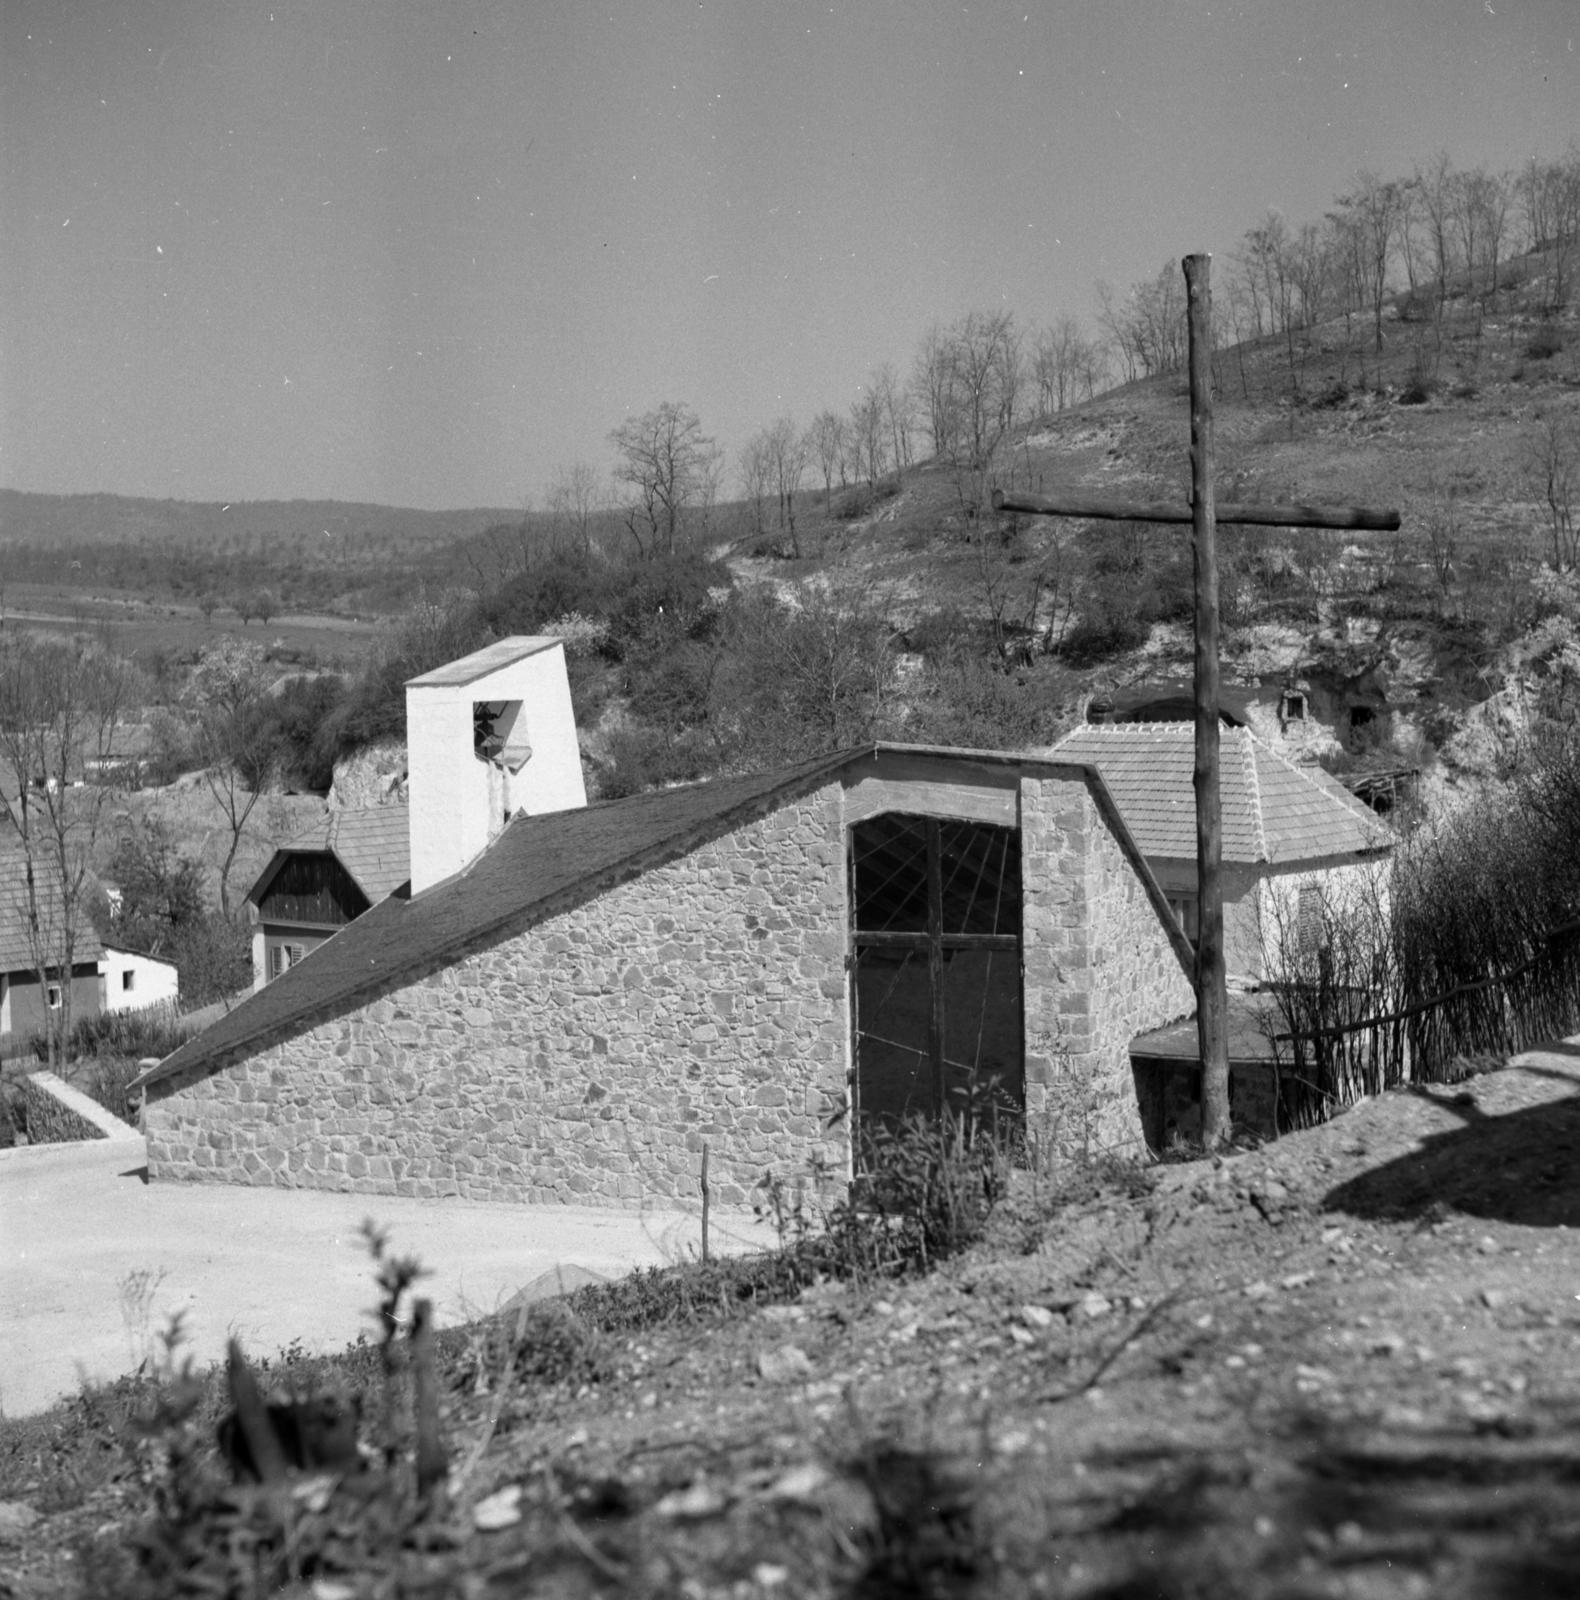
<point>93,1260</point>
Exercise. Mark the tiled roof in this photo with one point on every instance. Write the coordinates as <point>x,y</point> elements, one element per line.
<point>538,867</point>
<point>16,948</point>
<point>373,844</point>
<point>1272,811</point>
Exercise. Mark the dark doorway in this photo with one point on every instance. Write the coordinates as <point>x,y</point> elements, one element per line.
<point>936,983</point>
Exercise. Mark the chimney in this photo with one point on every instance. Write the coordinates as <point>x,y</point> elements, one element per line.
<point>487,736</point>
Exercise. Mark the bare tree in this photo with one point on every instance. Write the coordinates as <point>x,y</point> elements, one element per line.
<point>503,551</point>
<point>814,670</point>
<point>931,381</point>
<point>1091,368</point>
<point>1373,208</point>
<point>895,402</point>
<point>235,738</point>
<point>986,383</point>
<point>869,437</point>
<point>574,499</point>
<point>1552,467</point>
<point>1117,320</point>
<point>1434,184</point>
<point>60,706</point>
<point>1057,364</point>
<point>1312,265</point>
<point>787,459</point>
<point>1549,195</point>
<point>1481,207</point>
<point>754,468</point>
<point>672,468</point>
<point>827,441</point>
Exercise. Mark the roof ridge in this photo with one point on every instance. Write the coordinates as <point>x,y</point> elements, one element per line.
<point>1249,742</point>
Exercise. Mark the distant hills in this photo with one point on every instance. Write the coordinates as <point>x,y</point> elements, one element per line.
<point>184,549</point>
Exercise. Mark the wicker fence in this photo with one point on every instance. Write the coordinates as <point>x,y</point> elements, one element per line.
<point>1332,1051</point>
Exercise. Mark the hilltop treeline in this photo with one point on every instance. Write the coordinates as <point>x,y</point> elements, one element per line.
<point>300,554</point>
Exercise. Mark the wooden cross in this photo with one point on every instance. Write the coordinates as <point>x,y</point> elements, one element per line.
<point>1212,1001</point>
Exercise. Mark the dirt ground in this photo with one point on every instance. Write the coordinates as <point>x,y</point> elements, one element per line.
<point>1343,1364</point>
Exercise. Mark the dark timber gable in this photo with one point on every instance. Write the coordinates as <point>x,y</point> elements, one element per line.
<point>312,890</point>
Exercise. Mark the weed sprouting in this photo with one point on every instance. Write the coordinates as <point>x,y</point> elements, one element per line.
<point>135,1294</point>
<point>924,1193</point>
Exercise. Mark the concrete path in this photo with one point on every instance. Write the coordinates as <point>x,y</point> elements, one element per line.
<point>93,1260</point>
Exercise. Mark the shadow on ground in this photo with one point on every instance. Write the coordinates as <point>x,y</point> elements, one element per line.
<point>1521,1167</point>
<point>1343,1509</point>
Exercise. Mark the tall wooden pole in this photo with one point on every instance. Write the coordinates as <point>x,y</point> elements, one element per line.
<point>1212,998</point>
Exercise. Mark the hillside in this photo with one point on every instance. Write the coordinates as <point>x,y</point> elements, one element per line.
<point>959,627</point>
<point>1454,424</point>
<point>1338,1365</point>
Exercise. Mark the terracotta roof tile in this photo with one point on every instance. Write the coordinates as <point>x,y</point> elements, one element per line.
<point>1272,811</point>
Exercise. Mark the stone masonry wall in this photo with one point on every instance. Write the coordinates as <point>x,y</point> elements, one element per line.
<point>1099,970</point>
<point>586,1060</point>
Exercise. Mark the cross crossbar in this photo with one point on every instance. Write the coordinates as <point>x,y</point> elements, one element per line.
<point>1271,515</point>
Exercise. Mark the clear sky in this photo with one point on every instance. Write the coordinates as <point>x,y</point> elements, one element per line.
<point>422,252</point>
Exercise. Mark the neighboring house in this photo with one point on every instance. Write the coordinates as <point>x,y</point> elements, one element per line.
<point>24,1007</point>
<point>125,763</point>
<point>323,879</point>
<point>131,981</point>
<point>1292,836</point>
<point>574,1002</point>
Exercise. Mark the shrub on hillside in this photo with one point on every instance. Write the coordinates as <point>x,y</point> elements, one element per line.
<point>1101,635</point>
<point>1546,342</point>
<point>949,634</point>
<point>640,758</point>
<point>862,499</point>
<point>296,717</point>
<point>974,704</point>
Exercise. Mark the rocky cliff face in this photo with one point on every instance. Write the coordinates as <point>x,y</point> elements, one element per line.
<point>373,776</point>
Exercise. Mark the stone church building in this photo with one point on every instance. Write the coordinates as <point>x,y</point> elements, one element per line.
<point>567,1001</point>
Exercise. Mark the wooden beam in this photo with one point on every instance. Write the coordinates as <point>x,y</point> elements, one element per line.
<point>1212,999</point>
<point>1098,508</point>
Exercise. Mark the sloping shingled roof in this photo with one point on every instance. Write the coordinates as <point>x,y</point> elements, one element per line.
<point>1272,810</point>
<point>373,844</point>
<point>538,867</point>
<point>16,949</point>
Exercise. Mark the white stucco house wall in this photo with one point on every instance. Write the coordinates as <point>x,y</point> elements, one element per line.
<point>129,981</point>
